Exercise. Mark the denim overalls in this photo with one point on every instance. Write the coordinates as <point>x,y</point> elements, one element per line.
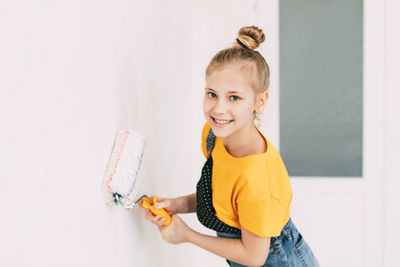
<point>288,249</point>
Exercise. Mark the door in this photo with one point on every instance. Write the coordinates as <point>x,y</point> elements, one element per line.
<point>340,214</point>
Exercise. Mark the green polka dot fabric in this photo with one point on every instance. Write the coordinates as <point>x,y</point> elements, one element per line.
<point>204,209</point>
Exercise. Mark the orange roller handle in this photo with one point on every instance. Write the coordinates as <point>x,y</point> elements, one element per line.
<point>146,203</point>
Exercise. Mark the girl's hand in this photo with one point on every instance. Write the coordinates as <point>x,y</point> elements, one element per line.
<point>175,233</point>
<point>171,205</point>
<point>156,219</point>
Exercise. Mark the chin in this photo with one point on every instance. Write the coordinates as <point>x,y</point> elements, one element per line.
<point>221,132</point>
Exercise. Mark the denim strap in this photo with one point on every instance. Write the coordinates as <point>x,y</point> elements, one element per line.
<point>210,141</point>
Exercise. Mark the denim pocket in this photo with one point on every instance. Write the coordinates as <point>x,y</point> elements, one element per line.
<point>299,242</point>
<point>304,253</point>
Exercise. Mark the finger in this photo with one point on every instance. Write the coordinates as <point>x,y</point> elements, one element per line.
<point>155,221</point>
<point>150,216</point>
<point>158,219</point>
<point>161,204</point>
<point>161,221</point>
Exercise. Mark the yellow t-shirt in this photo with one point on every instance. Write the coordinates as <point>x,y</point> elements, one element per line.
<point>252,191</point>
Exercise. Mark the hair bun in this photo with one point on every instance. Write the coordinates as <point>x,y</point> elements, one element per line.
<point>251,36</point>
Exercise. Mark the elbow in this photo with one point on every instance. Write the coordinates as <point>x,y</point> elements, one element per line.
<point>259,260</point>
<point>257,249</point>
<point>262,262</point>
<point>254,260</point>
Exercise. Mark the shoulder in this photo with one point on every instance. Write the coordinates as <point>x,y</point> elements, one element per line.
<point>276,166</point>
<point>273,153</point>
<point>264,176</point>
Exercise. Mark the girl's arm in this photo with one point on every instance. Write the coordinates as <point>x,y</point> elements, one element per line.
<point>188,203</point>
<point>251,250</point>
<point>183,204</point>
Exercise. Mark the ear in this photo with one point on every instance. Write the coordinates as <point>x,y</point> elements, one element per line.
<point>262,99</point>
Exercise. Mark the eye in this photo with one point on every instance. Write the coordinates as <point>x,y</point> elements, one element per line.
<point>211,94</point>
<point>235,97</point>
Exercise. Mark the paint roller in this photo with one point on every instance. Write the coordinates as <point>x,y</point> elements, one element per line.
<point>122,172</point>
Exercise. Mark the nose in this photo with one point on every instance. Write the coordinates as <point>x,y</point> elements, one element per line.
<point>220,107</point>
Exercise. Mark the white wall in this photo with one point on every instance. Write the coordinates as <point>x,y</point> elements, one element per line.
<point>73,72</point>
<point>392,131</point>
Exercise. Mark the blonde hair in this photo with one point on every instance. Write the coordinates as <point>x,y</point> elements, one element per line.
<point>248,58</point>
<point>251,37</point>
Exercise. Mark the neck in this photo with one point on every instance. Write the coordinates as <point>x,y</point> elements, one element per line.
<point>242,142</point>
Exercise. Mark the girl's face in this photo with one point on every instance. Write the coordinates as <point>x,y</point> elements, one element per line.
<point>229,100</point>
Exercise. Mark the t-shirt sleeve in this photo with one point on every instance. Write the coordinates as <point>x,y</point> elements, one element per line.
<point>206,129</point>
<point>262,210</point>
<point>263,218</point>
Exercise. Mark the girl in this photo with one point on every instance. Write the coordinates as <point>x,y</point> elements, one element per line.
<point>244,193</point>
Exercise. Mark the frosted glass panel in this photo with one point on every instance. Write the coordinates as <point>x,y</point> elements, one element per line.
<point>321,59</point>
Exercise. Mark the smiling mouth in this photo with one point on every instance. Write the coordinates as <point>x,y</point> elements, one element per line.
<point>221,122</point>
